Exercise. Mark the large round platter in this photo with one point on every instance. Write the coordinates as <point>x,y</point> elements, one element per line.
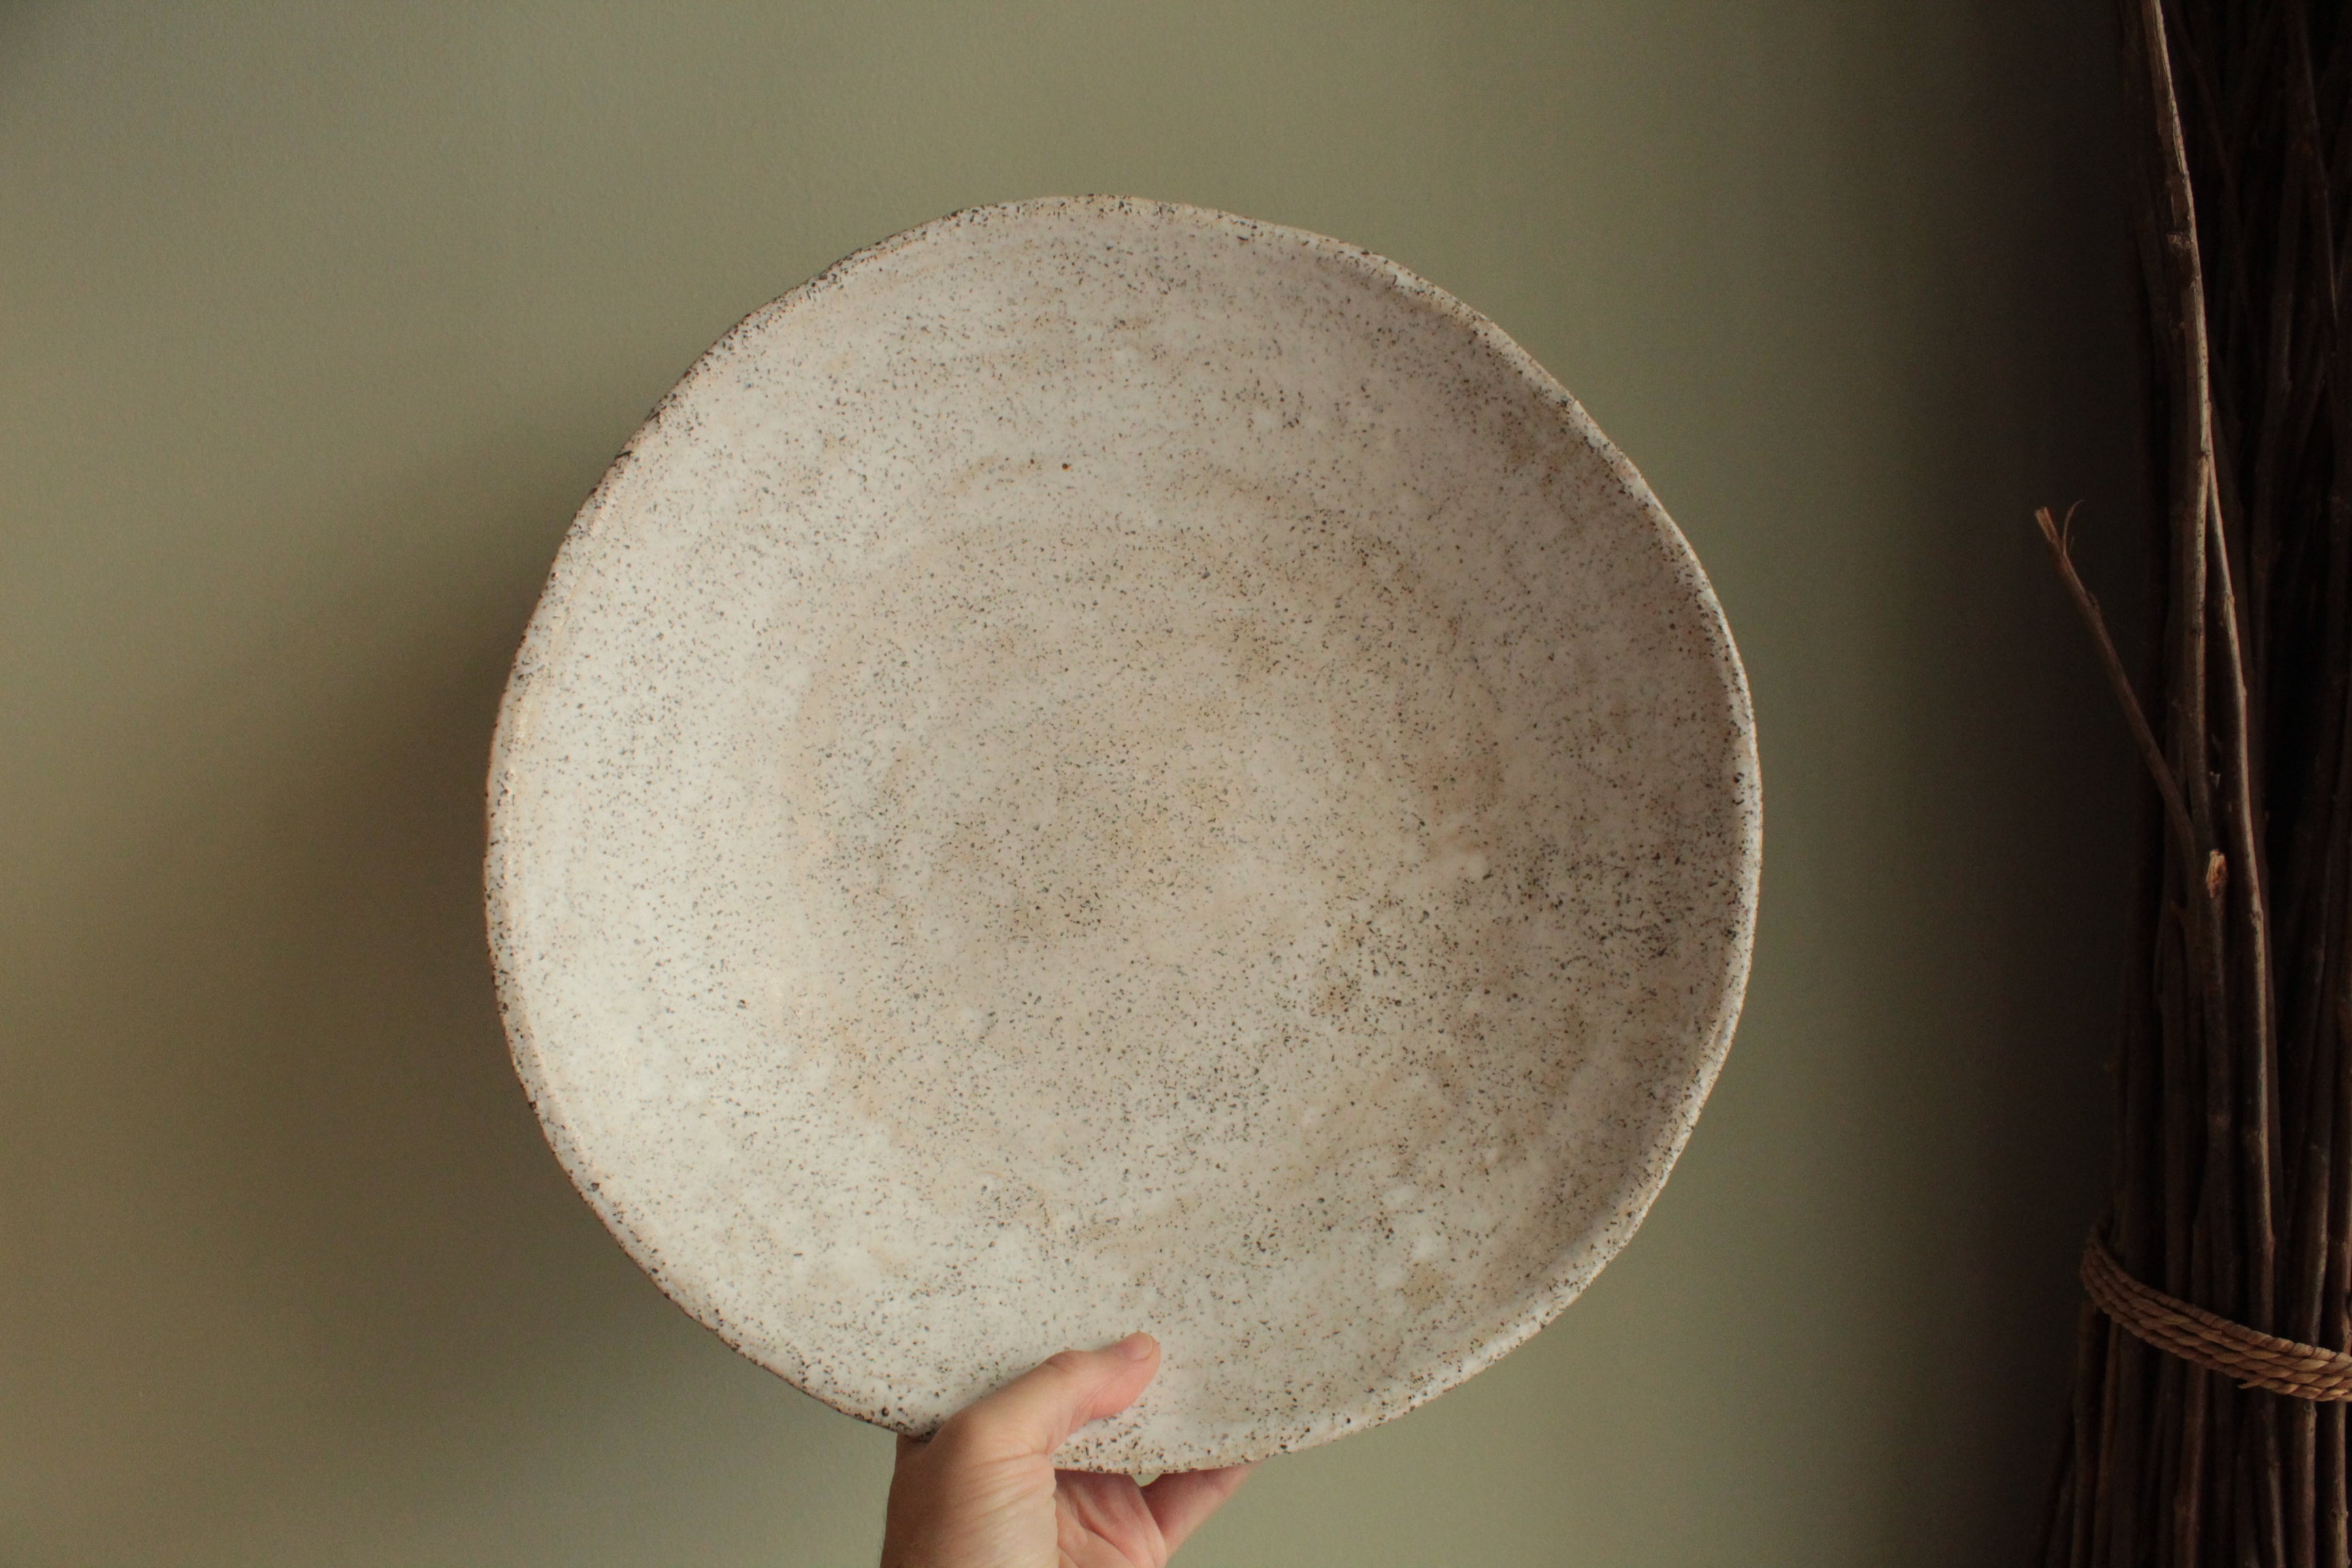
<point>1103,765</point>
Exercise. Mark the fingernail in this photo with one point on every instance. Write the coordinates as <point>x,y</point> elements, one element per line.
<point>1137,1346</point>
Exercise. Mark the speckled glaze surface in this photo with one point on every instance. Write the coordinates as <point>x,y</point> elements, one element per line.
<point>1103,765</point>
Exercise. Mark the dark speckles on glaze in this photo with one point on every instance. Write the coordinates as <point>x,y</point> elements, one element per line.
<point>1105,766</point>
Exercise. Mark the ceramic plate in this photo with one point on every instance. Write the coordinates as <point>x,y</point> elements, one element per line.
<point>1103,765</point>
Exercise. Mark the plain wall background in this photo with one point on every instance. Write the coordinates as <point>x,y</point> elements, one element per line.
<point>317,323</point>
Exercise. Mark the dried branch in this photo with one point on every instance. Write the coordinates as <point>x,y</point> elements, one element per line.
<point>2058,536</point>
<point>2233,1177</point>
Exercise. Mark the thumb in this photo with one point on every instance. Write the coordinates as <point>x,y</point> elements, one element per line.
<point>1035,1413</point>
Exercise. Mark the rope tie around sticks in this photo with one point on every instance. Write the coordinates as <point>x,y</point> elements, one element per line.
<point>2255,1360</point>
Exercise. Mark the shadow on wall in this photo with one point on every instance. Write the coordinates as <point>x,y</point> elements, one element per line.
<point>272,1136</point>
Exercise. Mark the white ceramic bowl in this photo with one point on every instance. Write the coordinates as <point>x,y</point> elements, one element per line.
<point>1103,765</point>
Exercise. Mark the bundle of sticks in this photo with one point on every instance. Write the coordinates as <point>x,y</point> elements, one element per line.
<point>2207,1423</point>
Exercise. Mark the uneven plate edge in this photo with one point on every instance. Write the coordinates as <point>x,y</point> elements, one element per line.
<point>544,635</point>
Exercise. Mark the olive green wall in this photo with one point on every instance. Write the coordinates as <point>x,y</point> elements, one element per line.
<point>316,323</point>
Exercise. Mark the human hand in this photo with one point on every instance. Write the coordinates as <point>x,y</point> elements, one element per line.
<point>983,1492</point>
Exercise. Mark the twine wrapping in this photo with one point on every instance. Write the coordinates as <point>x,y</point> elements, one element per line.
<point>2255,1360</point>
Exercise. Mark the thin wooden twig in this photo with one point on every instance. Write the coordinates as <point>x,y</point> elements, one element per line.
<point>2188,1488</point>
<point>2257,1109</point>
<point>2059,537</point>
